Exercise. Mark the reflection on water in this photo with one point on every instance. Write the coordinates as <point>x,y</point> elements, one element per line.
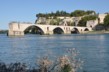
<point>94,49</point>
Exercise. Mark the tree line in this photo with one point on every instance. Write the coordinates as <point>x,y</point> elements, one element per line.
<point>76,13</point>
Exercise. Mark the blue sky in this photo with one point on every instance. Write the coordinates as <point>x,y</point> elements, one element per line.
<point>26,10</point>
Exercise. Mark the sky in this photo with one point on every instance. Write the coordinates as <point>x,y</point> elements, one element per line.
<point>26,10</point>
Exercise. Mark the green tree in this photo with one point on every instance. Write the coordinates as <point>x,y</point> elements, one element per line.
<point>106,22</point>
<point>90,12</point>
<point>69,23</point>
<point>78,13</point>
<point>52,22</point>
<point>72,23</point>
<point>58,21</point>
<point>84,20</point>
<point>52,14</point>
<point>66,68</point>
<point>40,15</point>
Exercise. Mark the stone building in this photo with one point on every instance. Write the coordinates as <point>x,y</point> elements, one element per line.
<point>94,23</point>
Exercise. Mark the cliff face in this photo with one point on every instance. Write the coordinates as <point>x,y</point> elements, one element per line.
<point>57,20</point>
<point>70,21</point>
<point>41,20</point>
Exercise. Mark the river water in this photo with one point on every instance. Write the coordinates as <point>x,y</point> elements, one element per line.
<point>93,49</point>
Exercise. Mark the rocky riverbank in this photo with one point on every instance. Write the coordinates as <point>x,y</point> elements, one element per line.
<point>96,32</point>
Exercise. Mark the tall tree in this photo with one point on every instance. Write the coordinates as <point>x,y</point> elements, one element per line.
<point>83,21</point>
<point>106,21</point>
<point>78,13</point>
<point>90,12</point>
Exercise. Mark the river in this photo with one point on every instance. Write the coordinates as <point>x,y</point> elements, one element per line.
<point>93,49</point>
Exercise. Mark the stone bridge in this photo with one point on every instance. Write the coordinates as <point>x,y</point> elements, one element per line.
<point>18,29</point>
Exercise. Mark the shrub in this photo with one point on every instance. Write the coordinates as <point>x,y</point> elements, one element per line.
<point>66,63</point>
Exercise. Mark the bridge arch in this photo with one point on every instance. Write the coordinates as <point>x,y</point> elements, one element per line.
<point>86,29</point>
<point>74,31</point>
<point>58,30</point>
<point>33,29</point>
